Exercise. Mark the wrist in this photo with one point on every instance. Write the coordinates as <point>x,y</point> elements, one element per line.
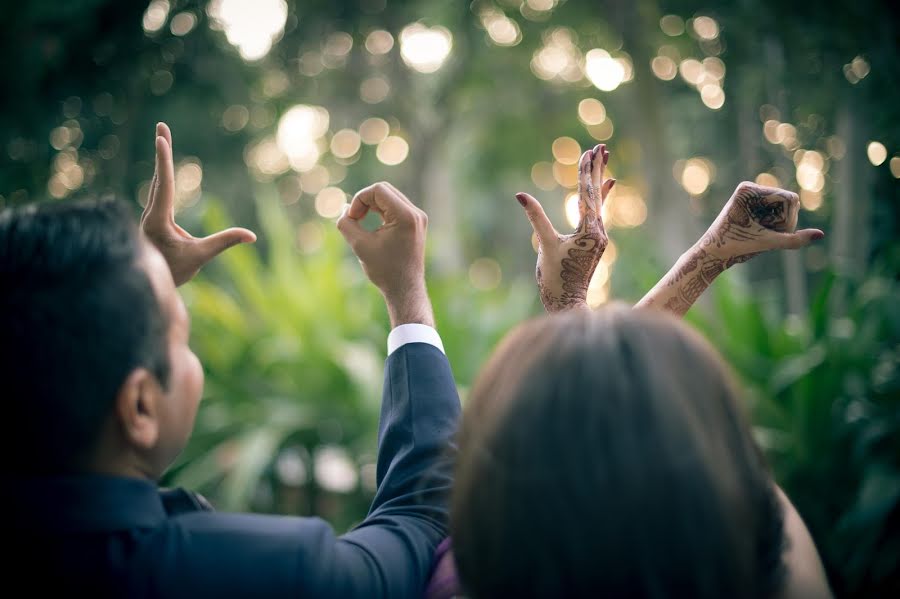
<point>409,305</point>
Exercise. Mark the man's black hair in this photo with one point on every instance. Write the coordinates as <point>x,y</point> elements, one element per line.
<point>77,315</point>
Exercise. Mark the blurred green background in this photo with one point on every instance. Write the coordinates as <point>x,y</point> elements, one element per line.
<point>281,110</point>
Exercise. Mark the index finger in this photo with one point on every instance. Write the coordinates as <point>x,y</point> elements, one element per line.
<point>163,207</point>
<point>381,198</point>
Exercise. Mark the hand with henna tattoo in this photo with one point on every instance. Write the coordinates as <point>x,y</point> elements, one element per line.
<point>756,219</point>
<point>566,263</point>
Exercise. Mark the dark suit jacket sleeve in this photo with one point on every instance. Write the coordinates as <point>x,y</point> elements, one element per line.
<point>416,454</point>
<point>388,555</point>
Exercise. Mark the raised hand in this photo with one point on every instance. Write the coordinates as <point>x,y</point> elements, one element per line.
<point>184,253</point>
<point>756,219</point>
<point>393,255</point>
<point>566,263</point>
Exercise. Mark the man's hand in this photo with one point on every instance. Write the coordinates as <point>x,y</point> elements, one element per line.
<point>392,256</point>
<point>566,263</point>
<point>756,219</point>
<point>184,253</point>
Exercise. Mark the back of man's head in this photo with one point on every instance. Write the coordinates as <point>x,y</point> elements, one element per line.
<point>77,314</point>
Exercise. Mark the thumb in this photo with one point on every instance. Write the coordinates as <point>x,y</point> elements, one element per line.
<point>542,226</point>
<point>799,239</point>
<point>215,244</point>
<point>350,228</point>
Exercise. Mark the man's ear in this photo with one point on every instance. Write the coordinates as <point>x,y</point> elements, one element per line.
<point>137,408</point>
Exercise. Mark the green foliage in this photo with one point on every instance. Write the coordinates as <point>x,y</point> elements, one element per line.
<point>292,346</point>
<point>825,399</point>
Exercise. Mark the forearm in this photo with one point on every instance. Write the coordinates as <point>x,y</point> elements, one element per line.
<point>685,282</point>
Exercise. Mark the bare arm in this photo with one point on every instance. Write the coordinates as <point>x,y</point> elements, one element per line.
<point>756,219</point>
<point>805,574</point>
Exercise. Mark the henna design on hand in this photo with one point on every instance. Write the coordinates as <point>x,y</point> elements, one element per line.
<point>756,219</point>
<point>751,214</point>
<point>564,269</point>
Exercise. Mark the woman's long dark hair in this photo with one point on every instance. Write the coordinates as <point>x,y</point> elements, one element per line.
<point>604,454</point>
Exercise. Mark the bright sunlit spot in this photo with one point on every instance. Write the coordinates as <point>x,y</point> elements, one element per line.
<point>250,25</point>
<point>425,49</point>
<point>876,152</point>
<point>605,72</point>
<point>573,214</point>
<point>298,131</point>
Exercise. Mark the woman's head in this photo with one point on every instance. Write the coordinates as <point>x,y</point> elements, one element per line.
<point>604,453</point>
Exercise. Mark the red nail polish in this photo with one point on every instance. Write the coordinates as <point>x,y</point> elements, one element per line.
<point>818,235</point>
<point>522,200</point>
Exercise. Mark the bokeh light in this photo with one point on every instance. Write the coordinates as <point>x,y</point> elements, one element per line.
<point>183,23</point>
<point>573,213</point>
<point>345,143</point>
<point>542,176</point>
<point>374,130</point>
<point>566,150</point>
<point>374,90</point>
<point>379,42</point>
<point>591,111</point>
<point>876,152</point>
<point>672,25</point>
<point>605,72</point>
<point>425,49</point>
<point>696,176</point>
<point>485,274</point>
<point>706,28</point>
<point>330,202</point>
<point>155,16</point>
<point>252,26</point>
<point>664,67</point>
<point>392,150</point>
<point>298,131</point>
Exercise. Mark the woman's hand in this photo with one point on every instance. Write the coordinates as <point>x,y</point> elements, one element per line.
<point>566,263</point>
<point>756,219</point>
<point>184,253</point>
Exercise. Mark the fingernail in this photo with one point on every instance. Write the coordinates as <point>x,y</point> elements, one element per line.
<point>613,184</point>
<point>818,235</point>
<point>605,157</point>
<point>522,199</point>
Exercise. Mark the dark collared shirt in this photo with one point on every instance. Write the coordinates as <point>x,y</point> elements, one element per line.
<point>102,536</point>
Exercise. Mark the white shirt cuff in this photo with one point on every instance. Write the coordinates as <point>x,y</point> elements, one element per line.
<point>413,333</point>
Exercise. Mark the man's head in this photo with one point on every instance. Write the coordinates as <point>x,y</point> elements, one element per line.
<point>95,367</point>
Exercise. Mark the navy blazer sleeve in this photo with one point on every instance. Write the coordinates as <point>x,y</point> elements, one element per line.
<point>388,555</point>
